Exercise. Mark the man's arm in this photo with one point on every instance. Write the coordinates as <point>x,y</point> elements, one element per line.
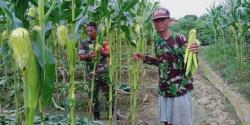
<point>84,56</point>
<point>88,56</point>
<point>147,59</point>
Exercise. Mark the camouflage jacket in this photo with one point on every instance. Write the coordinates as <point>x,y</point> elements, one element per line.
<point>170,60</point>
<point>101,61</point>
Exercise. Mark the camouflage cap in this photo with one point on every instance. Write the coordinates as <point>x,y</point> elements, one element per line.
<point>161,13</point>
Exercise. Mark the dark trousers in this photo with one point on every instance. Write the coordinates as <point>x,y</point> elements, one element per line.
<point>102,84</point>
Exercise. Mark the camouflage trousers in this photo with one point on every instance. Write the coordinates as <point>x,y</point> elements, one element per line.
<point>102,83</point>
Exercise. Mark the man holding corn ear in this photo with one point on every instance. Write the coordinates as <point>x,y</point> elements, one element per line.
<point>174,86</point>
<point>91,53</point>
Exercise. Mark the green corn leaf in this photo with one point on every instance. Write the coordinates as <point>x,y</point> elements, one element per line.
<point>14,21</point>
<point>5,54</point>
<point>32,80</point>
<point>20,7</point>
<point>46,64</point>
<point>91,2</point>
<point>104,7</point>
<point>49,79</point>
<point>128,5</point>
<point>37,45</point>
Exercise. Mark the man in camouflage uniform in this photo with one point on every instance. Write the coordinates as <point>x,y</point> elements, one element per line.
<point>101,79</point>
<point>174,87</point>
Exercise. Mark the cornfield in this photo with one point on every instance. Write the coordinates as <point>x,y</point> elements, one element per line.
<point>38,52</point>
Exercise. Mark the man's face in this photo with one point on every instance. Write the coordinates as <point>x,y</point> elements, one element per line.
<point>91,31</point>
<point>161,24</point>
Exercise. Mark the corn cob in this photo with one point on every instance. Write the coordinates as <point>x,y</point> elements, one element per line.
<point>190,58</point>
<point>62,35</point>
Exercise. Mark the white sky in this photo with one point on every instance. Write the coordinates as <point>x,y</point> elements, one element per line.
<point>180,8</point>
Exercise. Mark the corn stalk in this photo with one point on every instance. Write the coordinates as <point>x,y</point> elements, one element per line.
<point>241,45</point>
<point>72,61</point>
<point>71,50</point>
<point>16,82</point>
<point>223,41</point>
<point>236,46</point>
<point>25,60</point>
<point>46,69</point>
<point>107,28</point>
<point>42,25</point>
<point>135,74</point>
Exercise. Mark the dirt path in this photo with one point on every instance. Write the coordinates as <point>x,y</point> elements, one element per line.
<point>210,107</point>
<point>241,105</point>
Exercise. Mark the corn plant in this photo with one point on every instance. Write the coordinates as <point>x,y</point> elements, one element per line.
<point>72,61</point>
<point>233,25</point>
<point>25,60</point>
<point>115,15</point>
<point>135,74</point>
<point>62,35</point>
<point>63,38</point>
<point>45,59</point>
<point>12,23</point>
<point>71,50</point>
<point>28,59</point>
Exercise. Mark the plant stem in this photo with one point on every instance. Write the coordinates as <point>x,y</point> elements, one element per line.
<point>92,92</point>
<point>72,68</point>
<point>16,94</point>
<point>72,96</point>
<point>42,25</point>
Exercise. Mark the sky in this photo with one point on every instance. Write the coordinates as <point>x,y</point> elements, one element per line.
<point>180,8</point>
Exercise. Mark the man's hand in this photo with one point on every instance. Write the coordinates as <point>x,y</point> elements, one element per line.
<point>92,55</point>
<point>100,69</point>
<point>138,57</point>
<point>194,47</point>
<point>105,48</point>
